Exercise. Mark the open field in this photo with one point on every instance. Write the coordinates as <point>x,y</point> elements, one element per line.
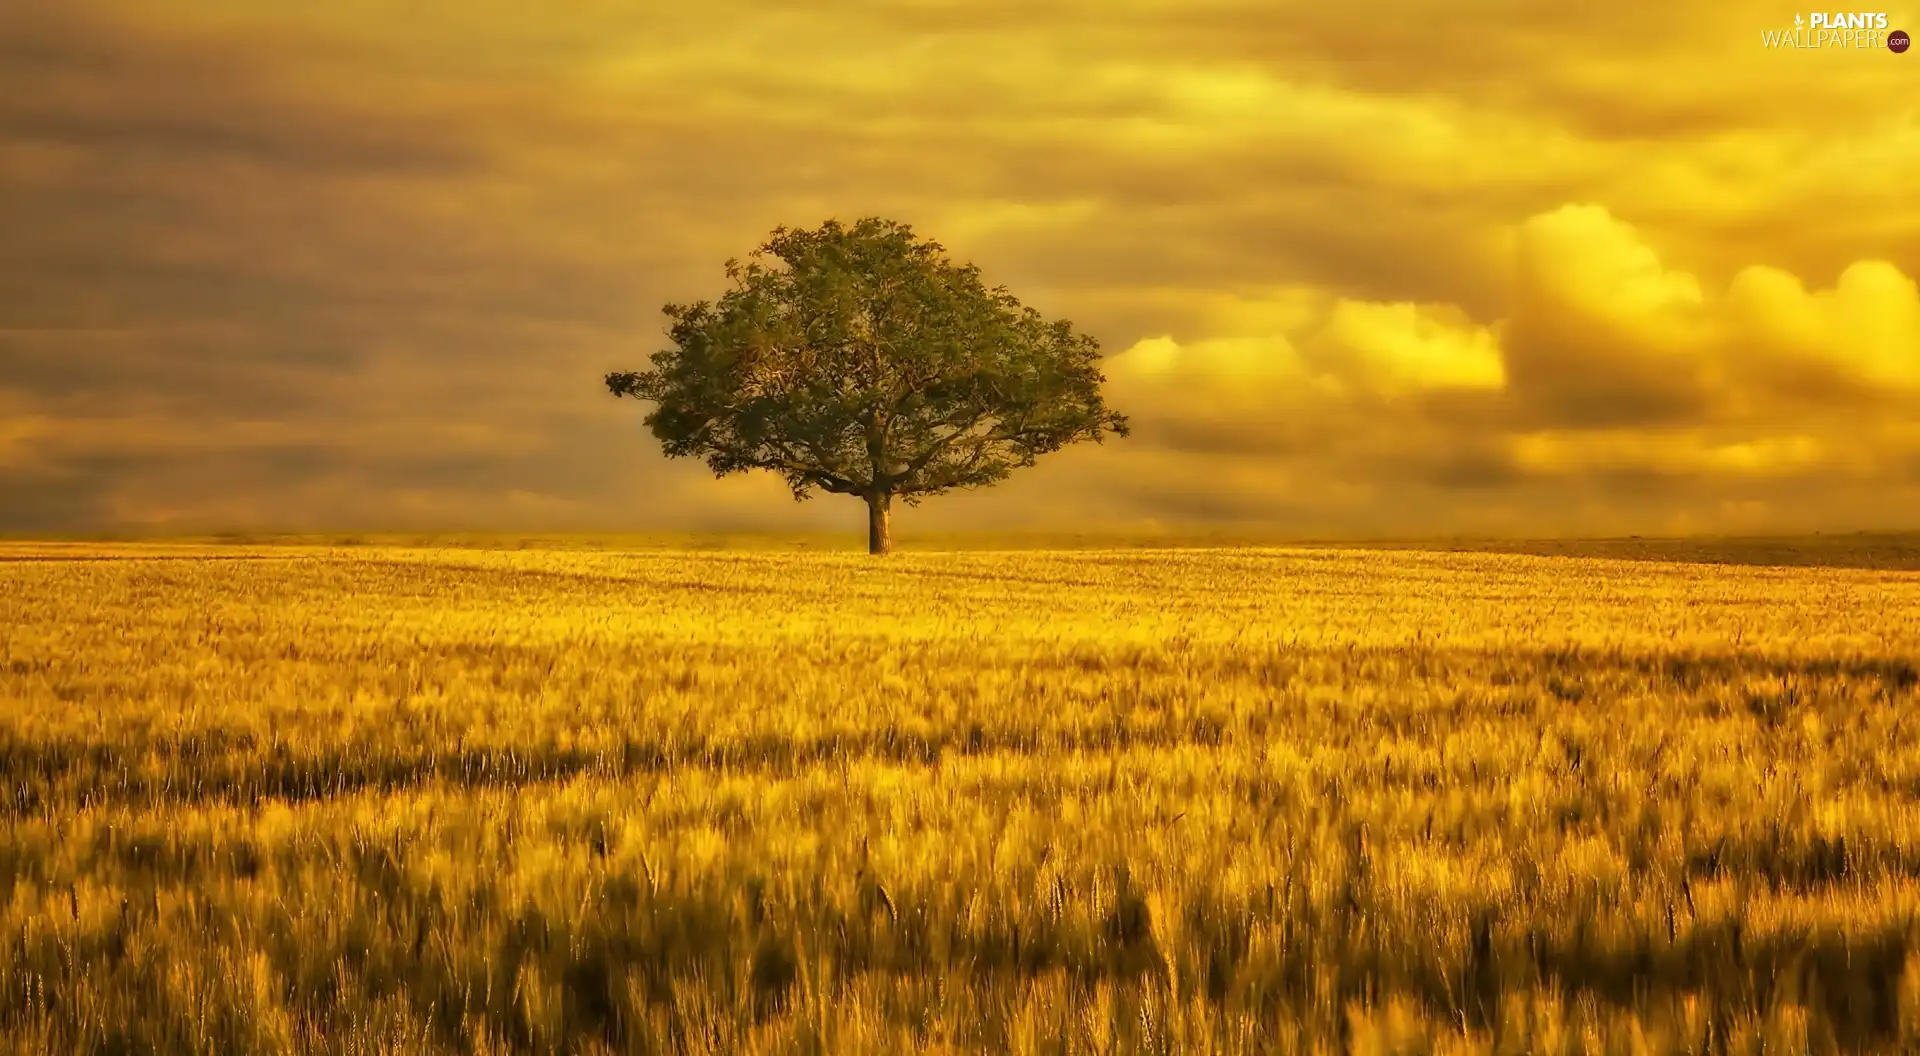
<point>1885,550</point>
<point>384,799</point>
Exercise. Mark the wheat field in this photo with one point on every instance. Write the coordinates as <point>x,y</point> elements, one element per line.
<point>408,800</point>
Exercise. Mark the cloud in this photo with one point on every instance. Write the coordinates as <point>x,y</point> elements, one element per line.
<point>1393,349</point>
<point>1866,329</point>
<point>1360,270</point>
<point>1612,374</point>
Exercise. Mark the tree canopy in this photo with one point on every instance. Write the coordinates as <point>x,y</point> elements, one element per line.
<point>862,361</point>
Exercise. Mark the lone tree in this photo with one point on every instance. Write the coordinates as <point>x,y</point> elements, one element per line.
<point>861,361</point>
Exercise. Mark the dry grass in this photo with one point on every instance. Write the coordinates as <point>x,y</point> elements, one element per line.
<point>1882,550</point>
<point>433,800</point>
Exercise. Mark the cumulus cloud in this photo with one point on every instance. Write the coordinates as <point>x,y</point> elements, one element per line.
<point>1611,373</point>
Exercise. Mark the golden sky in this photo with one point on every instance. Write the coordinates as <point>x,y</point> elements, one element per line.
<point>1408,267</point>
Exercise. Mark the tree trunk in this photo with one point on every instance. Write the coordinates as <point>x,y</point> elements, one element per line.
<point>879,531</point>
